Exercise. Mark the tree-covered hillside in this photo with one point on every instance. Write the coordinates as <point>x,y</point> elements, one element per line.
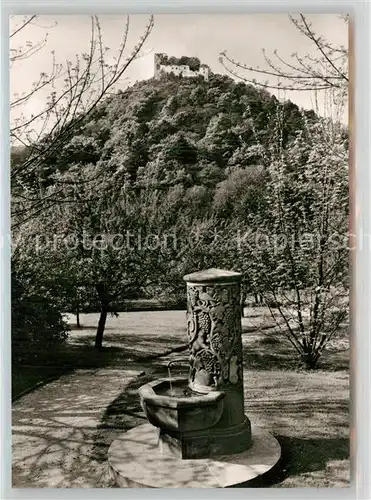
<point>174,131</point>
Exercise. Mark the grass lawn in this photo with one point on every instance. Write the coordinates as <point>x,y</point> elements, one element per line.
<point>308,412</point>
<point>131,337</point>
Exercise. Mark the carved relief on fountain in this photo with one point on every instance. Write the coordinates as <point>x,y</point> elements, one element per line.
<point>214,331</point>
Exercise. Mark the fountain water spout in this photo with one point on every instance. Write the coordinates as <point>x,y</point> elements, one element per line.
<point>172,362</point>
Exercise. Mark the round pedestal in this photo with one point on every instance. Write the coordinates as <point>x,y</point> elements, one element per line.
<point>136,462</point>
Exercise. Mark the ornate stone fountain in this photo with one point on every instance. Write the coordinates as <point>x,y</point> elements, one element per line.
<point>199,435</point>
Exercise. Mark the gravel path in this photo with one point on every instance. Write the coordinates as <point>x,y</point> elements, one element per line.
<point>62,431</point>
<point>58,441</point>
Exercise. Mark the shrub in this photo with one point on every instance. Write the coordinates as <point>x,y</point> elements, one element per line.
<point>36,322</point>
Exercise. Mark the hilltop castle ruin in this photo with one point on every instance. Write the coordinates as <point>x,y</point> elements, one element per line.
<point>184,66</point>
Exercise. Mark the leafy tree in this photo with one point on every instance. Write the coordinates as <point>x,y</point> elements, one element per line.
<point>240,193</point>
<point>105,240</point>
<point>298,259</point>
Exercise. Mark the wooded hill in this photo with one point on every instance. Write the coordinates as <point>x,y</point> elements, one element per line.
<point>175,131</point>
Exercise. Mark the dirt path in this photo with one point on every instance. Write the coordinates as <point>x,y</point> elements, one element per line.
<point>56,436</point>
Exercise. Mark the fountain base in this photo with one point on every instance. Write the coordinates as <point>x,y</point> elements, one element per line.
<point>135,462</point>
<point>206,443</point>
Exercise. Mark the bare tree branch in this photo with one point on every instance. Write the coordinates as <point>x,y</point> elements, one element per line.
<point>87,83</point>
<point>326,70</point>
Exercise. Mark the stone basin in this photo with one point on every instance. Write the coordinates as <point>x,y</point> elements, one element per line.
<point>172,406</point>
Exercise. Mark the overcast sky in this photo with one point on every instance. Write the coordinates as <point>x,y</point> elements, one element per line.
<point>205,36</point>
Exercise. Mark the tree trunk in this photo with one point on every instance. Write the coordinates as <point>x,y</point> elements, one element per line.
<point>243,300</point>
<point>310,360</point>
<point>104,306</point>
<point>100,328</point>
<point>78,317</point>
